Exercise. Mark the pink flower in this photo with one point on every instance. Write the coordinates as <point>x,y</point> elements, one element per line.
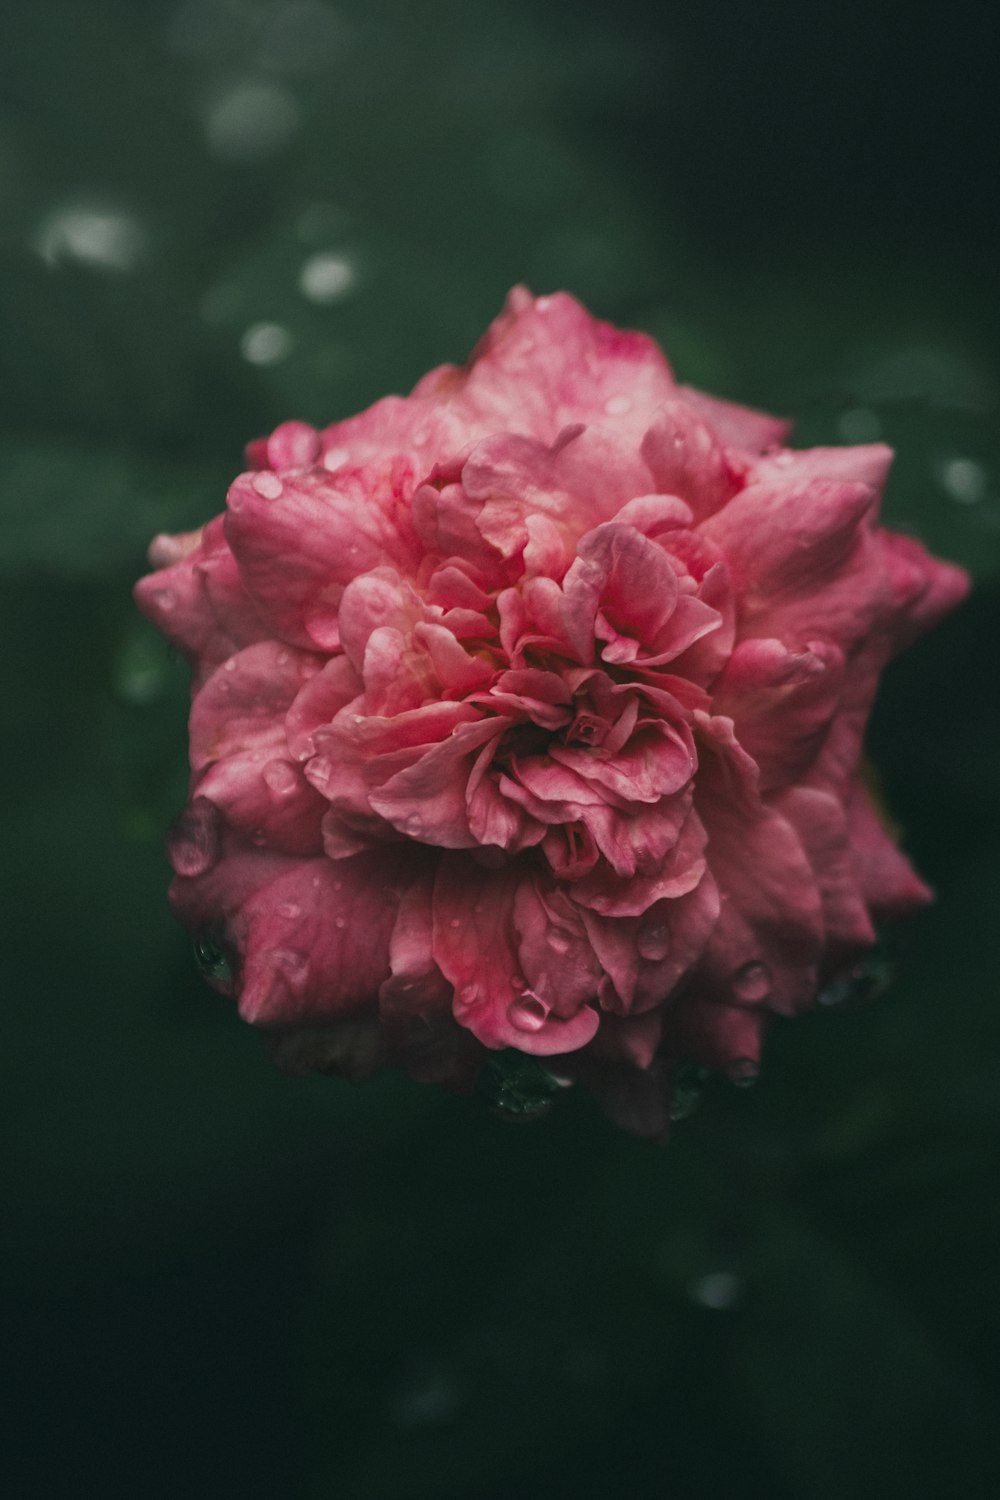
<point>528,713</point>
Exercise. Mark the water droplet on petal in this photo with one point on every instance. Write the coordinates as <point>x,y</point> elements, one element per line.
<point>335,458</point>
<point>528,1013</point>
<point>212,959</point>
<point>341,923</point>
<point>165,600</point>
<point>267,485</point>
<point>752,982</point>
<point>258,837</point>
<point>617,406</point>
<point>653,940</point>
<point>289,909</point>
<point>558,942</point>
<point>291,961</point>
<point>743,1072</point>
<point>455,922</point>
<point>280,778</point>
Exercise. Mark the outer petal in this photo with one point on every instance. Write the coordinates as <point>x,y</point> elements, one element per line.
<point>300,539</point>
<point>198,600</point>
<point>476,946</point>
<point>307,940</point>
<point>804,560</point>
<point>546,362</point>
<point>781,703</point>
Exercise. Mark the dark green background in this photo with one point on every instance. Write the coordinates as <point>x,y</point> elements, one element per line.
<point>226,1283</point>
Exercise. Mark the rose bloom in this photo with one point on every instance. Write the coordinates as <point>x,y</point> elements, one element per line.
<point>528,713</point>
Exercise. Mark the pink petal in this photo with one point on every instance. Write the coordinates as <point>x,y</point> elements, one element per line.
<point>781,703</point>
<point>299,540</point>
<point>804,560</point>
<point>242,706</point>
<point>686,458</point>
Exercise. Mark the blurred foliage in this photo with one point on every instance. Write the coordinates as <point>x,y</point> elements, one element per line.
<point>222,213</point>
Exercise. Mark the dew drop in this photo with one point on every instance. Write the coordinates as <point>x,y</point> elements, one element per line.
<point>341,923</point>
<point>752,982</point>
<point>653,940</point>
<point>258,837</point>
<point>165,599</point>
<point>335,458</point>
<point>743,1072</point>
<point>528,1013</point>
<point>291,961</point>
<point>289,909</point>
<point>558,942</point>
<point>230,664</point>
<point>338,885</point>
<point>212,959</point>
<point>279,778</point>
<point>268,485</point>
<point>455,922</point>
<point>617,406</point>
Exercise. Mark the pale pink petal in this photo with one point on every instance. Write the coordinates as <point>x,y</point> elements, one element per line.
<point>737,426</point>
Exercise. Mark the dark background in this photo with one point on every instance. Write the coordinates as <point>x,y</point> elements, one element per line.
<point>220,214</point>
